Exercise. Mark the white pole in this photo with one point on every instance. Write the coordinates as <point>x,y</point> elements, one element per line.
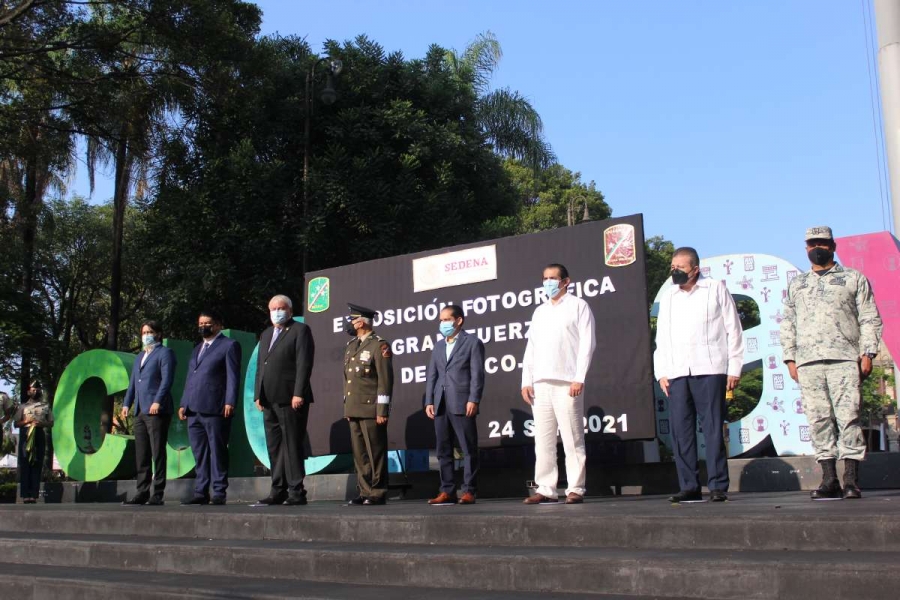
<point>887,21</point>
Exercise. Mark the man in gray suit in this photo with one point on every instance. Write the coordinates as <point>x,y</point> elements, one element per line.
<point>453,391</point>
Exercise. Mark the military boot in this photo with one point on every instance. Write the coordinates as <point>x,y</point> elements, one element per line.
<point>851,472</point>
<point>830,486</point>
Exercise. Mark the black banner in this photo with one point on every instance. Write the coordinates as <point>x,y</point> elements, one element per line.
<point>606,265</point>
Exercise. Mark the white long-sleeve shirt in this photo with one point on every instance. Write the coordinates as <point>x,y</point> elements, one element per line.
<point>561,342</point>
<point>698,332</point>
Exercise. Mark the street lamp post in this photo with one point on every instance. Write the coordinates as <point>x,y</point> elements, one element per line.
<point>328,96</point>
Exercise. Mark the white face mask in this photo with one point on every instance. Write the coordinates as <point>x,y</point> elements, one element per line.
<point>279,316</point>
<point>148,339</point>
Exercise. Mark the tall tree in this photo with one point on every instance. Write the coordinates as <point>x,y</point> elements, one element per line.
<point>506,117</point>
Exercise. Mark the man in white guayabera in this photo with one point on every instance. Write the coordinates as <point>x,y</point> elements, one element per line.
<point>561,342</point>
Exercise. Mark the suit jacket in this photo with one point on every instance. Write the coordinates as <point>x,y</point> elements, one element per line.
<point>458,380</point>
<point>369,370</point>
<point>284,370</point>
<point>152,382</point>
<point>213,380</point>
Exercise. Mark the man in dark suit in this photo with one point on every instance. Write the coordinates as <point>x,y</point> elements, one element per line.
<point>369,371</point>
<point>283,394</point>
<point>150,391</point>
<point>453,390</point>
<point>210,395</point>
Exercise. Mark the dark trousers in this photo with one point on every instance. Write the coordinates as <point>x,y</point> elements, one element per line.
<point>209,441</point>
<point>151,432</point>
<point>30,471</point>
<point>690,397</point>
<point>285,436</point>
<point>368,440</point>
<point>446,425</point>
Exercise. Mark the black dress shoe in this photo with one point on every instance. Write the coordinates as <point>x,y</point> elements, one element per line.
<point>137,500</point>
<point>717,496</point>
<point>218,500</point>
<point>358,501</point>
<point>851,492</point>
<point>274,499</point>
<point>156,500</point>
<point>686,496</point>
<point>196,500</point>
<point>374,501</point>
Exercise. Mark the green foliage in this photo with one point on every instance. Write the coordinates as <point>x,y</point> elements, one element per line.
<point>748,312</point>
<point>746,395</point>
<point>875,399</point>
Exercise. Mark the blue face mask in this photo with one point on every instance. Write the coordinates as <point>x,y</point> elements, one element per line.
<point>148,339</point>
<point>278,316</point>
<point>447,328</point>
<point>551,287</point>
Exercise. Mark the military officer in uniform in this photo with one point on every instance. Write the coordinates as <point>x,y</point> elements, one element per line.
<point>368,384</point>
<point>830,335</point>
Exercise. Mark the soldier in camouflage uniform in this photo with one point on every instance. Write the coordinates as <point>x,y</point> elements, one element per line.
<point>368,384</point>
<point>830,335</point>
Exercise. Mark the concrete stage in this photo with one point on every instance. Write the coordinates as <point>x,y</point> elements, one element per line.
<point>766,546</point>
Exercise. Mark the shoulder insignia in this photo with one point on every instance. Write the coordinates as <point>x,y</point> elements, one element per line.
<point>385,349</point>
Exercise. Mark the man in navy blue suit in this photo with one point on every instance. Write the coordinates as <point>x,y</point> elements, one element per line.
<point>453,391</point>
<point>210,395</point>
<point>150,392</point>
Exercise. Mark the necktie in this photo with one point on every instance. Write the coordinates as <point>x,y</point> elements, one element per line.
<point>274,337</point>
<point>203,349</point>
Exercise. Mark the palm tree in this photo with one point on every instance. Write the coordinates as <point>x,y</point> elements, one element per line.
<point>507,119</point>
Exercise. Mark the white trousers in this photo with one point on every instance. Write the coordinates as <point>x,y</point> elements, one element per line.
<point>554,409</point>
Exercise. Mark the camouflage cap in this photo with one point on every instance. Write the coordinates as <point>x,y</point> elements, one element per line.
<point>819,233</point>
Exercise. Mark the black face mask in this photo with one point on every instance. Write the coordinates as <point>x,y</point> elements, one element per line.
<point>35,395</point>
<point>820,256</point>
<point>205,330</point>
<point>349,329</point>
<point>679,277</point>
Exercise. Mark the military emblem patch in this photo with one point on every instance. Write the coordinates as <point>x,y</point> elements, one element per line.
<point>618,245</point>
<point>318,295</point>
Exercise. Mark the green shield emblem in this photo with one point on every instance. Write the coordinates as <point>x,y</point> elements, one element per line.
<point>318,295</point>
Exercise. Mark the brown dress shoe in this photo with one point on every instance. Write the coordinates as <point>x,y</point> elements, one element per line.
<point>442,498</point>
<point>574,498</point>
<point>467,498</point>
<point>539,499</point>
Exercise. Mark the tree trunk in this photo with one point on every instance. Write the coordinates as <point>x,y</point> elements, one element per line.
<point>120,201</point>
<point>29,233</point>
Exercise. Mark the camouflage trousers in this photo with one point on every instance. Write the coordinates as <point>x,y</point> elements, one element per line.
<point>830,392</point>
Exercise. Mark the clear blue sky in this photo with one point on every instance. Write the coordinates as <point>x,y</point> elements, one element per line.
<point>732,126</point>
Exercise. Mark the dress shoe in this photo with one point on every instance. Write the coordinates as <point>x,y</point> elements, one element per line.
<point>137,500</point>
<point>296,501</point>
<point>218,500</point>
<point>375,501</point>
<point>467,498</point>
<point>717,496</point>
<point>156,500</point>
<point>196,500</point>
<point>442,498</point>
<point>358,501</point>
<point>851,492</point>
<point>29,500</point>
<point>539,499</point>
<point>686,496</point>
<point>573,498</point>
<point>273,499</point>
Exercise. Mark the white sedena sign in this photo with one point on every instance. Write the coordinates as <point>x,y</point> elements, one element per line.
<point>455,268</point>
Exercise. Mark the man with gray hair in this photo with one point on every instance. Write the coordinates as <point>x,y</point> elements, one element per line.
<point>283,393</point>
<point>829,336</point>
<point>699,355</point>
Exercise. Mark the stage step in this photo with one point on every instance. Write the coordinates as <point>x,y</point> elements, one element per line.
<point>750,521</point>
<point>756,546</point>
<point>528,569</point>
<point>40,582</point>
